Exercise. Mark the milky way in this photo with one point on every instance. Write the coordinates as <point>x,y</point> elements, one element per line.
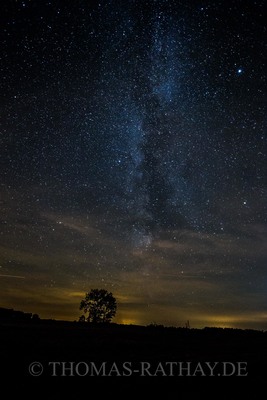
<point>177,117</point>
<point>134,137</point>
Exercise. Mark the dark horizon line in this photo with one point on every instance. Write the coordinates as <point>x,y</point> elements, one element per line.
<point>28,317</point>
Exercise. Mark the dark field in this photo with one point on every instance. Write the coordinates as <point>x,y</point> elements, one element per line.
<point>125,349</point>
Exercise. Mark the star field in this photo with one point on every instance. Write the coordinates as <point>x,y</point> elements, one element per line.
<point>134,158</point>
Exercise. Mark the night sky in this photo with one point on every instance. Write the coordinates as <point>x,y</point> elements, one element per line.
<point>133,158</point>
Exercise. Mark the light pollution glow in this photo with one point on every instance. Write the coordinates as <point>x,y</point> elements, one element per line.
<point>155,284</point>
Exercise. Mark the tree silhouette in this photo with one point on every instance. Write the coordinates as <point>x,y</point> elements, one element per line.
<point>100,305</point>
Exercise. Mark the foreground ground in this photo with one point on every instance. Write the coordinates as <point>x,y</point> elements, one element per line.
<point>55,360</point>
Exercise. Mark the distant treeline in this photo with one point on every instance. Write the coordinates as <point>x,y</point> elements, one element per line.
<point>8,314</point>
